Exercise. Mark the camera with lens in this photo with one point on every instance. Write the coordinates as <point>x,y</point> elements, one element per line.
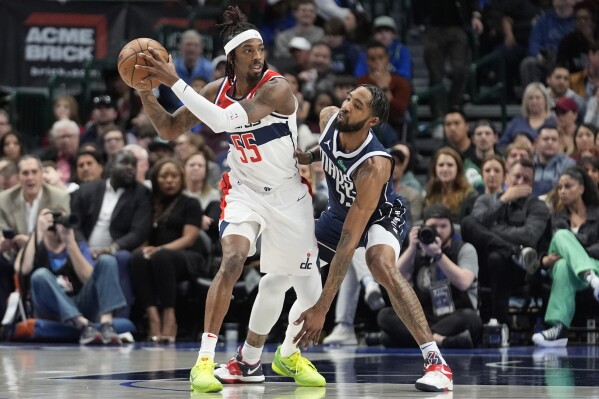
<point>427,234</point>
<point>68,221</point>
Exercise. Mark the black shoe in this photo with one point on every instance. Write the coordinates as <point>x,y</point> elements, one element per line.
<point>528,260</point>
<point>462,340</point>
<point>556,336</point>
<point>109,335</point>
<point>374,338</point>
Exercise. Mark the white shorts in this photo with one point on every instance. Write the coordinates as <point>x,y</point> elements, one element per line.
<point>283,217</point>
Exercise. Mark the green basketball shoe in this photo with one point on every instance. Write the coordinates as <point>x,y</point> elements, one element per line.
<point>299,368</point>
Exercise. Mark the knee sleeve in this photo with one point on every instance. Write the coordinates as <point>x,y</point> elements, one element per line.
<point>269,303</point>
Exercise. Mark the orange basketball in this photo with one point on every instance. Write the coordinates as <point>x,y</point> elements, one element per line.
<point>128,57</point>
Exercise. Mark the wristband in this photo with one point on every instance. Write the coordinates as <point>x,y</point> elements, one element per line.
<point>311,157</point>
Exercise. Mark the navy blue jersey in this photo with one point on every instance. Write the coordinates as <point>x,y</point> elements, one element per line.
<point>339,167</point>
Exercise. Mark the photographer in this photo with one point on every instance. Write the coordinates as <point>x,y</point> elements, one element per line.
<point>443,272</point>
<point>66,284</point>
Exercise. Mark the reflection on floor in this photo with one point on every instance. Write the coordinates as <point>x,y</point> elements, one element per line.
<point>141,370</point>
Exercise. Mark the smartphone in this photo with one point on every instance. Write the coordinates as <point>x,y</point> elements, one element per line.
<point>9,234</point>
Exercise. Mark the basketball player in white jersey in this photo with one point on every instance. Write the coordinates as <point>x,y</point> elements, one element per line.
<point>262,195</point>
<point>364,211</point>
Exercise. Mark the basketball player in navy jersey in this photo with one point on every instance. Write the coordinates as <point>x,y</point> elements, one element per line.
<point>262,196</point>
<point>363,210</point>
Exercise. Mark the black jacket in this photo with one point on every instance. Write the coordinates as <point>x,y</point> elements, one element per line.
<point>588,233</point>
<point>131,219</point>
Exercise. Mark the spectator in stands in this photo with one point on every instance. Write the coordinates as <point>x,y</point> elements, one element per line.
<point>303,107</point>
<point>550,28</point>
<point>444,274</point>
<point>9,174</point>
<point>197,185</point>
<point>299,49</point>
<point>516,151</point>
<point>344,9</point>
<point>90,165</point>
<point>484,138</point>
<point>446,39</point>
<point>343,53</point>
<point>187,144</point>
<point>535,113</point>
<point>219,64</point>
<point>505,228</point>
<point>64,107</point>
<point>170,254</point>
<point>53,177</point>
<point>159,149</point>
<point>277,18</point>
<point>573,256</point>
<point>143,163</point>
<point>396,88</point>
<point>447,184</point>
<point>142,130</point>
<point>408,178</point>
<point>566,113</point>
<point>550,160</point>
<point>591,166</point>
<point>385,31</point>
<point>114,140</point>
<point>113,215</point>
<point>514,19</point>
<point>67,285</point>
<point>573,48</point>
<point>305,16</point>
<point>586,82</point>
<point>343,85</point>
<point>105,115</point>
<point>413,196</point>
<point>558,83</point>
<point>319,76</point>
<point>5,125</point>
<point>584,142</point>
<point>455,127</point>
<point>493,172</point>
<point>65,135</point>
<point>11,147</point>
<point>19,209</point>
<point>320,101</point>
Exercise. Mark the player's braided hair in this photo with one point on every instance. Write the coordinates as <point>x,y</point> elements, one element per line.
<point>379,104</point>
<point>234,22</point>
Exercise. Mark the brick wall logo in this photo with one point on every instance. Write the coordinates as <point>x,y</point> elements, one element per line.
<point>58,44</point>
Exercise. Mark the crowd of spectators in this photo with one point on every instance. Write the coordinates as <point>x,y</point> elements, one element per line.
<point>509,206</point>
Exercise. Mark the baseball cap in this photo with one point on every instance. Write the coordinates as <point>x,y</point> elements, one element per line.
<point>437,211</point>
<point>218,60</point>
<point>384,21</point>
<point>299,43</point>
<point>159,143</point>
<point>565,104</point>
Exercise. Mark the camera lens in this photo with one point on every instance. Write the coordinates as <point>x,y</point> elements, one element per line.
<point>427,235</point>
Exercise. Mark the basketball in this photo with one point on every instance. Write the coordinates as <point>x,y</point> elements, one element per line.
<point>128,57</point>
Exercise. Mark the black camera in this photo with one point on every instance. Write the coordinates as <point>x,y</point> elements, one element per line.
<point>68,221</point>
<point>427,234</point>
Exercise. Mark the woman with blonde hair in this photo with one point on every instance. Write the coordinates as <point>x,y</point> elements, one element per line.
<point>447,183</point>
<point>535,112</point>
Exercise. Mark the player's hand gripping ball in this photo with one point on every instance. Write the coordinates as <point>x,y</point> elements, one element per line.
<point>129,56</point>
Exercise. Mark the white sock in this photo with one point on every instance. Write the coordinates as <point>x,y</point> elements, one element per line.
<point>592,279</point>
<point>431,353</point>
<point>250,354</point>
<point>366,280</point>
<point>208,346</point>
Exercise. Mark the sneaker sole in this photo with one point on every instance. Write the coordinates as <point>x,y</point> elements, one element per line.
<point>531,262</point>
<point>208,389</point>
<point>558,343</point>
<point>241,380</point>
<point>431,388</point>
<point>281,371</point>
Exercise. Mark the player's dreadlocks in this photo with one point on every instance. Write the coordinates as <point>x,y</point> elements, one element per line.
<point>234,22</point>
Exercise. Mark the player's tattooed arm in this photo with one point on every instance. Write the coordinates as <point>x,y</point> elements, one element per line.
<point>273,96</point>
<point>170,126</point>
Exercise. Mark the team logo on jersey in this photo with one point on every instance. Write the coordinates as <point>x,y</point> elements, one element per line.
<point>328,143</point>
<point>307,265</point>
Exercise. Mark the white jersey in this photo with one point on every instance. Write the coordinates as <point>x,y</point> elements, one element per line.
<point>261,154</point>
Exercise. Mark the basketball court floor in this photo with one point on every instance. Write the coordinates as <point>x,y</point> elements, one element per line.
<point>147,371</point>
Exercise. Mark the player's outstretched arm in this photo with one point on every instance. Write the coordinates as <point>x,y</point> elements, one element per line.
<point>369,179</point>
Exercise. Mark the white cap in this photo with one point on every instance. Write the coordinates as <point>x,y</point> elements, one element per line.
<point>300,43</point>
<point>218,60</point>
<point>384,21</point>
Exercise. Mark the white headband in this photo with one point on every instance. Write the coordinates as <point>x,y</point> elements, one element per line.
<point>240,38</point>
